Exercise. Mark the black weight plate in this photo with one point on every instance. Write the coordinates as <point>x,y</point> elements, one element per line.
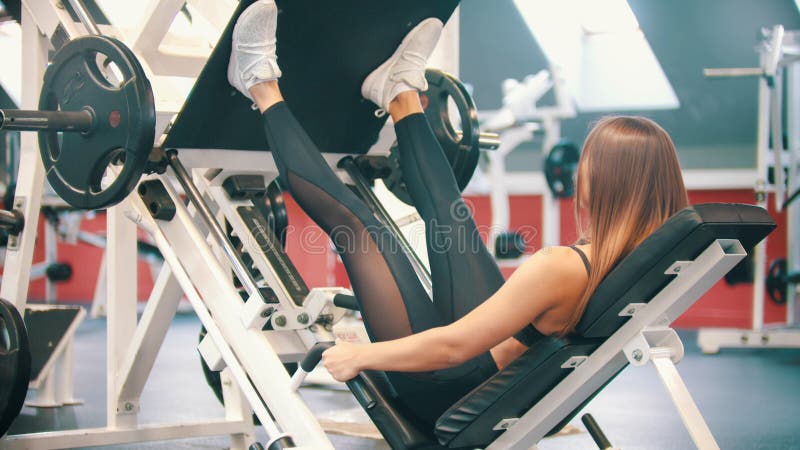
<point>280,217</point>
<point>509,245</point>
<point>15,364</point>
<point>59,272</point>
<point>123,128</point>
<point>776,281</point>
<point>462,153</point>
<point>560,167</point>
<point>214,379</point>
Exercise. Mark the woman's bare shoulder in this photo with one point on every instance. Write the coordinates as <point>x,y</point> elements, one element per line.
<point>555,268</point>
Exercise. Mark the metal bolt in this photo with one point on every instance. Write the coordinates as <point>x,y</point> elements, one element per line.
<point>59,5</point>
<point>268,312</point>
<point>765,339</point>
<point>637,355</point>
<point>128,406</point>
<point>631,311</point>
<point>302,318</point>
<point>677,269</point>
<point>744,339</point>
<point>280,321</point>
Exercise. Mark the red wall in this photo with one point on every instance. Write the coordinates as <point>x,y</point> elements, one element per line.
<point>724,305</point>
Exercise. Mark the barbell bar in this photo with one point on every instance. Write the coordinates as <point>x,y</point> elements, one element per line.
<point>66,121</point>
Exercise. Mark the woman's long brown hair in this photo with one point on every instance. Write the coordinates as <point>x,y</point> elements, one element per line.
<point>629,183</point>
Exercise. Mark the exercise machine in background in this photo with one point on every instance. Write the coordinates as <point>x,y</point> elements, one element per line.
<point>521,120</point>
<point>778,168</point>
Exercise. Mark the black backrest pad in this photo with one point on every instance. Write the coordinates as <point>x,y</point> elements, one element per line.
<point>636,279</point>
<point>682,238</point>
<point>325,49</point>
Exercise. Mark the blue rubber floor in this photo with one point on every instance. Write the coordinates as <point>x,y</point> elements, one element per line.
<point>751,399</point>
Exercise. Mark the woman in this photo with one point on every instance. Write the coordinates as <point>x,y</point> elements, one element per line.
<point>629,182</point>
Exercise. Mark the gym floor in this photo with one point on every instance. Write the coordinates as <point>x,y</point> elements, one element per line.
<point>749,398</point>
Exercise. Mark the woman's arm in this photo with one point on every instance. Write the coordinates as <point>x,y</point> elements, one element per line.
<point>507,351</point>
<point>548,278</point>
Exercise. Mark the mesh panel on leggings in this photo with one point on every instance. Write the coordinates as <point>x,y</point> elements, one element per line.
<point>361,249</point>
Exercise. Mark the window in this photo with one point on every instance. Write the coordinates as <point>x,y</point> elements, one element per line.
<point>605,58</point>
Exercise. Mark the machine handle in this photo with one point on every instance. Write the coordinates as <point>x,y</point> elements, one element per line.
<point>346,301</point>
<point>597,434</point>
<point>308,363</point>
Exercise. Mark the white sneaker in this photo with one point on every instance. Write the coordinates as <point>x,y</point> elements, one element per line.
<point>405,70</point>
<point>253,57</point>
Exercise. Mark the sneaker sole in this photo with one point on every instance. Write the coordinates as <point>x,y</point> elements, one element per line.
<point>382,69</point>
<point>233,64</point>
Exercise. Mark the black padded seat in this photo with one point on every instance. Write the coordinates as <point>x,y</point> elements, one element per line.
<point>636,279</point>
<point>515,388</point>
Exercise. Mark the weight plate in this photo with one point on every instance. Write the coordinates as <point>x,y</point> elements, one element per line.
<point>463,152</point>
<point>776,281</point>
<point>15,364</point>
<point>560,167</point>
<point>100,75</point>
<point>279,220</point>
<point>214,379</point>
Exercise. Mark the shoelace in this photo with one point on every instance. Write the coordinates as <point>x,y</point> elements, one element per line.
<point>416,61</point>
<point>261,49</point>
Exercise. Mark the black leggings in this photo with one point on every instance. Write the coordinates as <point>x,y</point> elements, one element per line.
<point>393,301</point>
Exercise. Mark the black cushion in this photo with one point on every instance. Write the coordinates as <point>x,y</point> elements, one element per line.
<point>639,276</point>
<point>469,422</point>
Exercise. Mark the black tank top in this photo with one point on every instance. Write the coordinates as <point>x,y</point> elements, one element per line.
<point>530,334</point>
<point>583,258</point>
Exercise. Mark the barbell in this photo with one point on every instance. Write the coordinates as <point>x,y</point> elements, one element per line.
<point>96,109</point>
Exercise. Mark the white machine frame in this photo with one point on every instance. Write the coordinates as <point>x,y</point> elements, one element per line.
<point>779,55</point>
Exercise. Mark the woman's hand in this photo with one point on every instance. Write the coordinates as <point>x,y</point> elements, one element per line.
<point>343,360</point>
